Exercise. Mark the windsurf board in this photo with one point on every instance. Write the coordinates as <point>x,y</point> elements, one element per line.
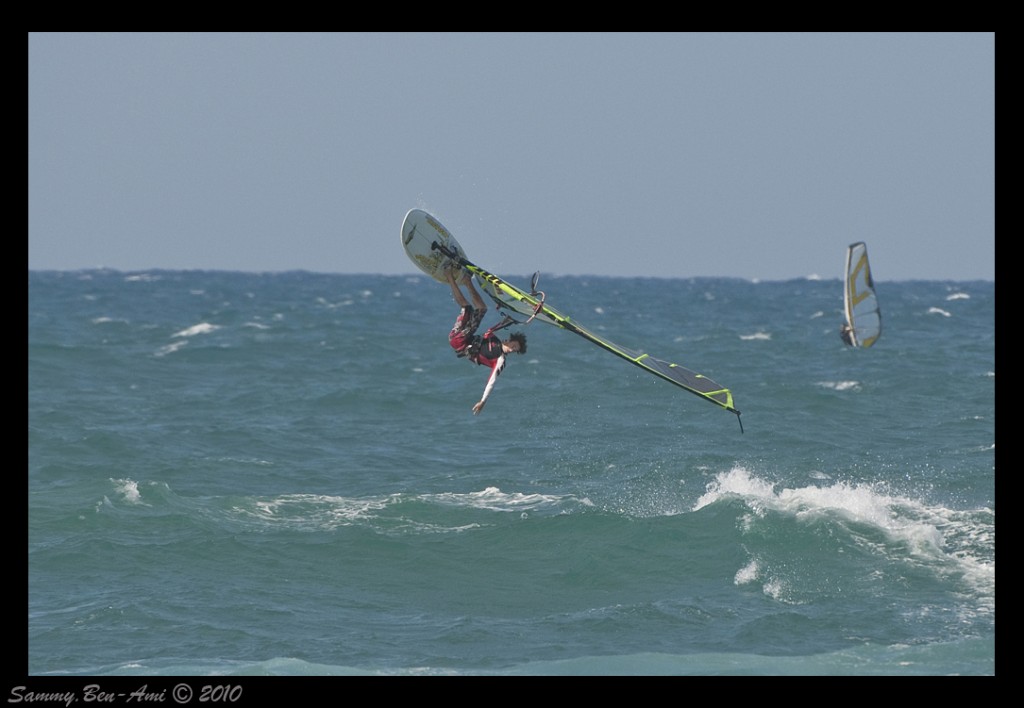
<point>419,231</point>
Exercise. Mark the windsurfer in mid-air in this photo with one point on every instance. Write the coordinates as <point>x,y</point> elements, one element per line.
<point>487,349</point>
<point>846,334</point>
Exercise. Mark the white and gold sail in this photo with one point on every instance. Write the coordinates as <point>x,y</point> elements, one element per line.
<point>861,302</point>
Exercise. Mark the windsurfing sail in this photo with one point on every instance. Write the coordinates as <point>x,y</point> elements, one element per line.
<point>863,316</point>
<point>532,305</point>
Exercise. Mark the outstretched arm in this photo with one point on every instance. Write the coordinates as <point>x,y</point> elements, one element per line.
<point>495,373</point>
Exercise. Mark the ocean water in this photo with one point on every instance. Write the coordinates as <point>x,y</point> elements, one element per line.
<point>239,474</point>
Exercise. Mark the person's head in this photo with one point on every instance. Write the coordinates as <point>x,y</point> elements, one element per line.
<point>516,342</point>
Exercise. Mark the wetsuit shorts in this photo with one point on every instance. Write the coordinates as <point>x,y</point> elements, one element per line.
<point>465,327</point>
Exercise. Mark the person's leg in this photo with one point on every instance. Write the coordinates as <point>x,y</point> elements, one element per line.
<point>460,299</point>
<point>462,330</point>
<point>478,302</point>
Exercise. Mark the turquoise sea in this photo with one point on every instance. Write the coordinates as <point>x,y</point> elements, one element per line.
<point>278,474</point>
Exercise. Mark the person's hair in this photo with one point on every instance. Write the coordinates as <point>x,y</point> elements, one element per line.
<point>521,338</point>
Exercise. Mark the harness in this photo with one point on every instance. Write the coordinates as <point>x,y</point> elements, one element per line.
<point>472,350</point>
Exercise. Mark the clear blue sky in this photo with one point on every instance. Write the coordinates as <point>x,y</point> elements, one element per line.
<point>757,156</point>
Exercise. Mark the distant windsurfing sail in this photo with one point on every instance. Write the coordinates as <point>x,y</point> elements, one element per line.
<point>532,306</point>
<point>863,316</point>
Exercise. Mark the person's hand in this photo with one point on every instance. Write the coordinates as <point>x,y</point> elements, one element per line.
<point>478,407</point>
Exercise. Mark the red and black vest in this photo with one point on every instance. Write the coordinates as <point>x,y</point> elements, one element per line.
<point>485,350</point>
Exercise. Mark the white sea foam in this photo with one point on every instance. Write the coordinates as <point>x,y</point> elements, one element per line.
<point>840,385</point>
<point>201,328</point>
<point>128,489</point>
<point>170,348</point>
<point>945,537</point>
<point>496,500</point>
